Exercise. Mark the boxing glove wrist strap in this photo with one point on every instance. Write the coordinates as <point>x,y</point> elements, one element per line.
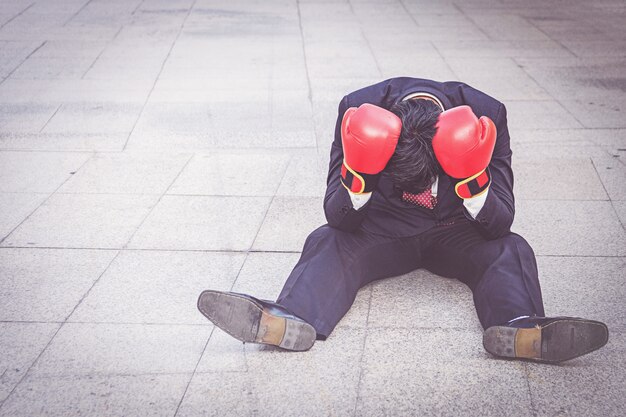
<point>358,182</point>
<point>474,185</point>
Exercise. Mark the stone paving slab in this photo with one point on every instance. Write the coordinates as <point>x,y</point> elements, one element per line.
<point>21,344</point>
<point>82,349</point>
<point>83,221</point>
<point>156,287</point>
<point>46,285</point>
<point>102,395</point>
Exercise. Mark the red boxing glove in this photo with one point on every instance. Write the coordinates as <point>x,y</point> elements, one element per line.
<point>369,136</point>
<point>463,146</point>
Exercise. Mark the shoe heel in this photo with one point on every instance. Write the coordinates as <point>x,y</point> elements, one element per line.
<point>299,336</point>
<point>511,342</point>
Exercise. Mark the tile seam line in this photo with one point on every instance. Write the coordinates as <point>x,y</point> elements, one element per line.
<point>76,13</point>
<point>243,251</point>
<point>120,323</point>
<point>533,407</point>
<point>21,62</point>
<point>17,15</point>
<point>235,150</point>
<point>156,80</point>
<point>184,394</point>
<point>456,6</point>
<point>574,55</point>
<point>306,64</point>
<point>235,251</point>
<point>182,398</point>
<point>361,358</point>
<point>607,193</point>
<point>100,54</point>
<point>45,200</point>
<point>156,203</point>
<point>445,61</point>
<point>365,38</point>
<point>557,100</point>
<point>256,235</point>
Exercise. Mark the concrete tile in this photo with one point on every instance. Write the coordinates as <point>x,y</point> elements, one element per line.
<point>556,137</point>
<point>83,221</point>
<point>157,287</point>
<point>97,106</point>
<point>611,140</point>
<point>70,48</point>
<point>327,390</point>
<point>507,27</point>
<point>539,115</point>
<point>37,172</point>
<point>223,354</point>
<point>47,284</point>
<point>202,223</point>
<point>53,68</point>
<point>126,173</point>
<point>304,177</point>
<point>118,69</point>
<point>82,349</point>
<point>612,173</point>
<point>592,49</point>
<point>501,78</point>
<point>620,209</point>
<point>218,394</point>
<point>500,49</point>
<point>422,299</point>
<point>94,118</point>
<point>123,395</point>
<point>25,117</point>
<point>63,141</point>
<point>567,177</point>
<point>436,372</point>
<point>20,344</point>
<point>590,385</point>
<point>435,68</point>
<point>577,228</point>
<point>288,222</point>
<point>232,174</point>
<point>264,274</point>
<point>15,207</point>
<point>584,287</point>
<point>599,112</point>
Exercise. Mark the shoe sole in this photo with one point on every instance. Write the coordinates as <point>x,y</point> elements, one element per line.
<point>558,341</point>
<point>245,320</point>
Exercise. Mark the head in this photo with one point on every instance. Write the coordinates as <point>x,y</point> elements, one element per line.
<point>413,166</point>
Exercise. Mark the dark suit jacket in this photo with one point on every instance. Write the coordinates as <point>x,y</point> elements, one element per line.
<point>385,213</point>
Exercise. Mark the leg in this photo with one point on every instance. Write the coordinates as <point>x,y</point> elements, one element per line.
<point>502,273</point>
<point>334,265</point>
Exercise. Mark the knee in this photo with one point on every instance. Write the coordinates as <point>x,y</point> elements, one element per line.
<point>516,242</point>
<point>322,233</point>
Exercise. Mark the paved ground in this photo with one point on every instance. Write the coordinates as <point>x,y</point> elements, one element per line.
<point>152,149</point>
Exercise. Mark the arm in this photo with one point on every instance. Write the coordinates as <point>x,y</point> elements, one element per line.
<point>496,216</point>
<point>338,208</point>
<point>368,136</point>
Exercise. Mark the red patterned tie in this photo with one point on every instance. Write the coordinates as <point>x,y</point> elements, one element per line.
<point>424,199</point>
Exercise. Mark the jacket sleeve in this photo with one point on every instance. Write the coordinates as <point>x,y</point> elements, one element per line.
<point>338,208</point>
<point>496,216</point>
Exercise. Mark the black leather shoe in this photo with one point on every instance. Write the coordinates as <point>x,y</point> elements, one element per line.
<point>256,321</point>
<point>545,339</point>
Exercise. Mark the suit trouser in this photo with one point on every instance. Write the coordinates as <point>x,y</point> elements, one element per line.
<point>334,264</point>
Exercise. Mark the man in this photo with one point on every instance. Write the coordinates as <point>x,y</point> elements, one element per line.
<point>419,177</point>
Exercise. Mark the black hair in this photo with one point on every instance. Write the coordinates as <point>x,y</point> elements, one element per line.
<point>413,166</point>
